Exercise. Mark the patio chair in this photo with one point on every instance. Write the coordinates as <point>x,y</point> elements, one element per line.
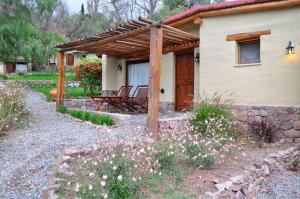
<point>139,100</point>
<point>113,100</point>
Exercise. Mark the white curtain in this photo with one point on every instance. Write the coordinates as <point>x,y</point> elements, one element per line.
<point>138,74</point>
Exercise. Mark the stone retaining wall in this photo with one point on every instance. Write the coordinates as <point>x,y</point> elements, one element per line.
<point>286,118</point>
<point>44,83</point>
<point>247,184</point>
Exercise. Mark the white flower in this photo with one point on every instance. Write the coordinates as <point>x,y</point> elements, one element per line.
<point>90,187</point>
<point>114,168</point>
<point>92,174</point>
<point>102,183</point>
<point>104,195</point>
<point>120,177</point>
<point>104,177</point>
<point>134,179</point>
<point>77,187</point>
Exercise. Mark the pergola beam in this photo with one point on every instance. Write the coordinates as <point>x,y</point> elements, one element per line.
<point>156,42</point>
<point>61,81</point>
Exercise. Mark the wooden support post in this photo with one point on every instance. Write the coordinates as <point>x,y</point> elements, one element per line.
<point>156,41</point>
<point>61,82</point>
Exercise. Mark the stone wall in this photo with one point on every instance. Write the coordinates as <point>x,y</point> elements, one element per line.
<point>248,183</point>
<point>44,83</point>
<point>286,118</point>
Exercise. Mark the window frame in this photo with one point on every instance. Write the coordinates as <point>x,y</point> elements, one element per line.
<point>239,50</point>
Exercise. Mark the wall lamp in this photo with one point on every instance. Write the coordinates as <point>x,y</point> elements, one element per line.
<point>120,67</point>
<point>290,49</point>
<point>197,57</point>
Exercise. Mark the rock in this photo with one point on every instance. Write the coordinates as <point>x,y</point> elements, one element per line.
<point>239,195</point>
<point>67,159</point>
<point>236,187</point>
<point>251,188</point>
<point>54,187</point>
<point>226,194</point>
<point>273,155</point>
<point>258,164</point>
<point>263,113</point>
<point>292,133</point>
<point>223,186</point>
<point>78,151</point>
<point>238,179</point>
<point>64,169</point>
<point>266,170</point>
<point>297,125</point>
<point>285,126</point>
<point>283,116</point>
<point>215,181</point>
<point>269,162</point>
<point>246,175</point>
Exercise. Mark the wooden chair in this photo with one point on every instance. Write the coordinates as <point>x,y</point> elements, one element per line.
<point>113,100</point>
<point>139,100</point>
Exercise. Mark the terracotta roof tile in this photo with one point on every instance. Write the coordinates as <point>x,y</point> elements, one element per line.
<point>209,7</point>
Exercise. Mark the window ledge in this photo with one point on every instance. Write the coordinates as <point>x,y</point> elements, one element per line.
<point>244,65</point>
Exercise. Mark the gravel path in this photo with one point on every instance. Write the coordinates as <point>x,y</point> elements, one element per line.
<point>27,154</point>
<point>282,185</point>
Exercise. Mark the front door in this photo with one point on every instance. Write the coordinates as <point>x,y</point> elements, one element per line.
<point>184,81</point>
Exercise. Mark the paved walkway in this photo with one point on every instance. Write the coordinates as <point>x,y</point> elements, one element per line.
<point>27,154</point>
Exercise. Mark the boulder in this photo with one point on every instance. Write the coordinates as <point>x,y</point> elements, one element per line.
<point>297,125</point>
<point>238,179</point>
<point>292,133</point>
<point>286,126</point>
<point>239,195</point>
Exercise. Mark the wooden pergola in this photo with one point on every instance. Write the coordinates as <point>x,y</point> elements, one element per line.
<point>133,40</point>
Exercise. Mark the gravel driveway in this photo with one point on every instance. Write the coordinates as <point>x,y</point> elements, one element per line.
<point>282,185</point>
<point>27,154</point>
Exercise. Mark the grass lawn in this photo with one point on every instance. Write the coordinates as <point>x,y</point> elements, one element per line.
<point>69,76</point>
<point>70,92</point>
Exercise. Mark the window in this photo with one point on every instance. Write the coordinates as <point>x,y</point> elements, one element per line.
<point>249,52</point>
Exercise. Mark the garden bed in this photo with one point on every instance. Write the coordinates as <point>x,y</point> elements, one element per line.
<point>94,118</point>
<point>182,181</point>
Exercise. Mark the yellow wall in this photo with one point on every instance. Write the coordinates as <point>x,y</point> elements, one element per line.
<point>276,81</point>
<point>113,79</point>
<point>167,79</point>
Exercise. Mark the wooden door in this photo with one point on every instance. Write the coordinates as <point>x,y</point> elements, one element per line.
<point>70,60</point>
<point>184,81</point>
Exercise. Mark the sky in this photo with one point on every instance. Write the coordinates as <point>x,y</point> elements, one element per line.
<point>75,5</point>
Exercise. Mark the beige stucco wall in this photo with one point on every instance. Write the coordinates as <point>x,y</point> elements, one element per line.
<point>276,81</point>
<point>2,67</point>
<point>113,79</point>
<point>167,79</point>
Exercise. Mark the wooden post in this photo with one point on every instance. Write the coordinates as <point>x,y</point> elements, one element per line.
<point>61,82</point>
<point>156,42</point>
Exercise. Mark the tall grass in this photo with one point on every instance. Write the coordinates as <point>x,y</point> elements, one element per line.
<point>12,106</point>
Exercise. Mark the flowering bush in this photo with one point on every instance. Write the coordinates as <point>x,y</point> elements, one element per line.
<point>88,72</point>
<point>199,155</point>
<point>12,107</point>
<point>211,120</point>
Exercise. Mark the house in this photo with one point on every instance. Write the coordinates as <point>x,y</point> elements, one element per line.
<point>18,66</point>
<point>250,47</point>
<point>72,57</point>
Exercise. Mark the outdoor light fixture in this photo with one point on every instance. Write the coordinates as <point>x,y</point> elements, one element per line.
<point>290,49</point>
<point>120,67</point>
<point>197,58</point>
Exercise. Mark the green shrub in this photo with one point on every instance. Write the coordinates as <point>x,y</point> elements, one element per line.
<point>198,155</point>
<point>165,154</point>
<point>3,76</point>
<point>76,114</point>
<point>19,73</point>
<point>116,174</point>
<point>12,107</point>
<point>94,118</point>
<point>212,120</point>
<point>62,109</point>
